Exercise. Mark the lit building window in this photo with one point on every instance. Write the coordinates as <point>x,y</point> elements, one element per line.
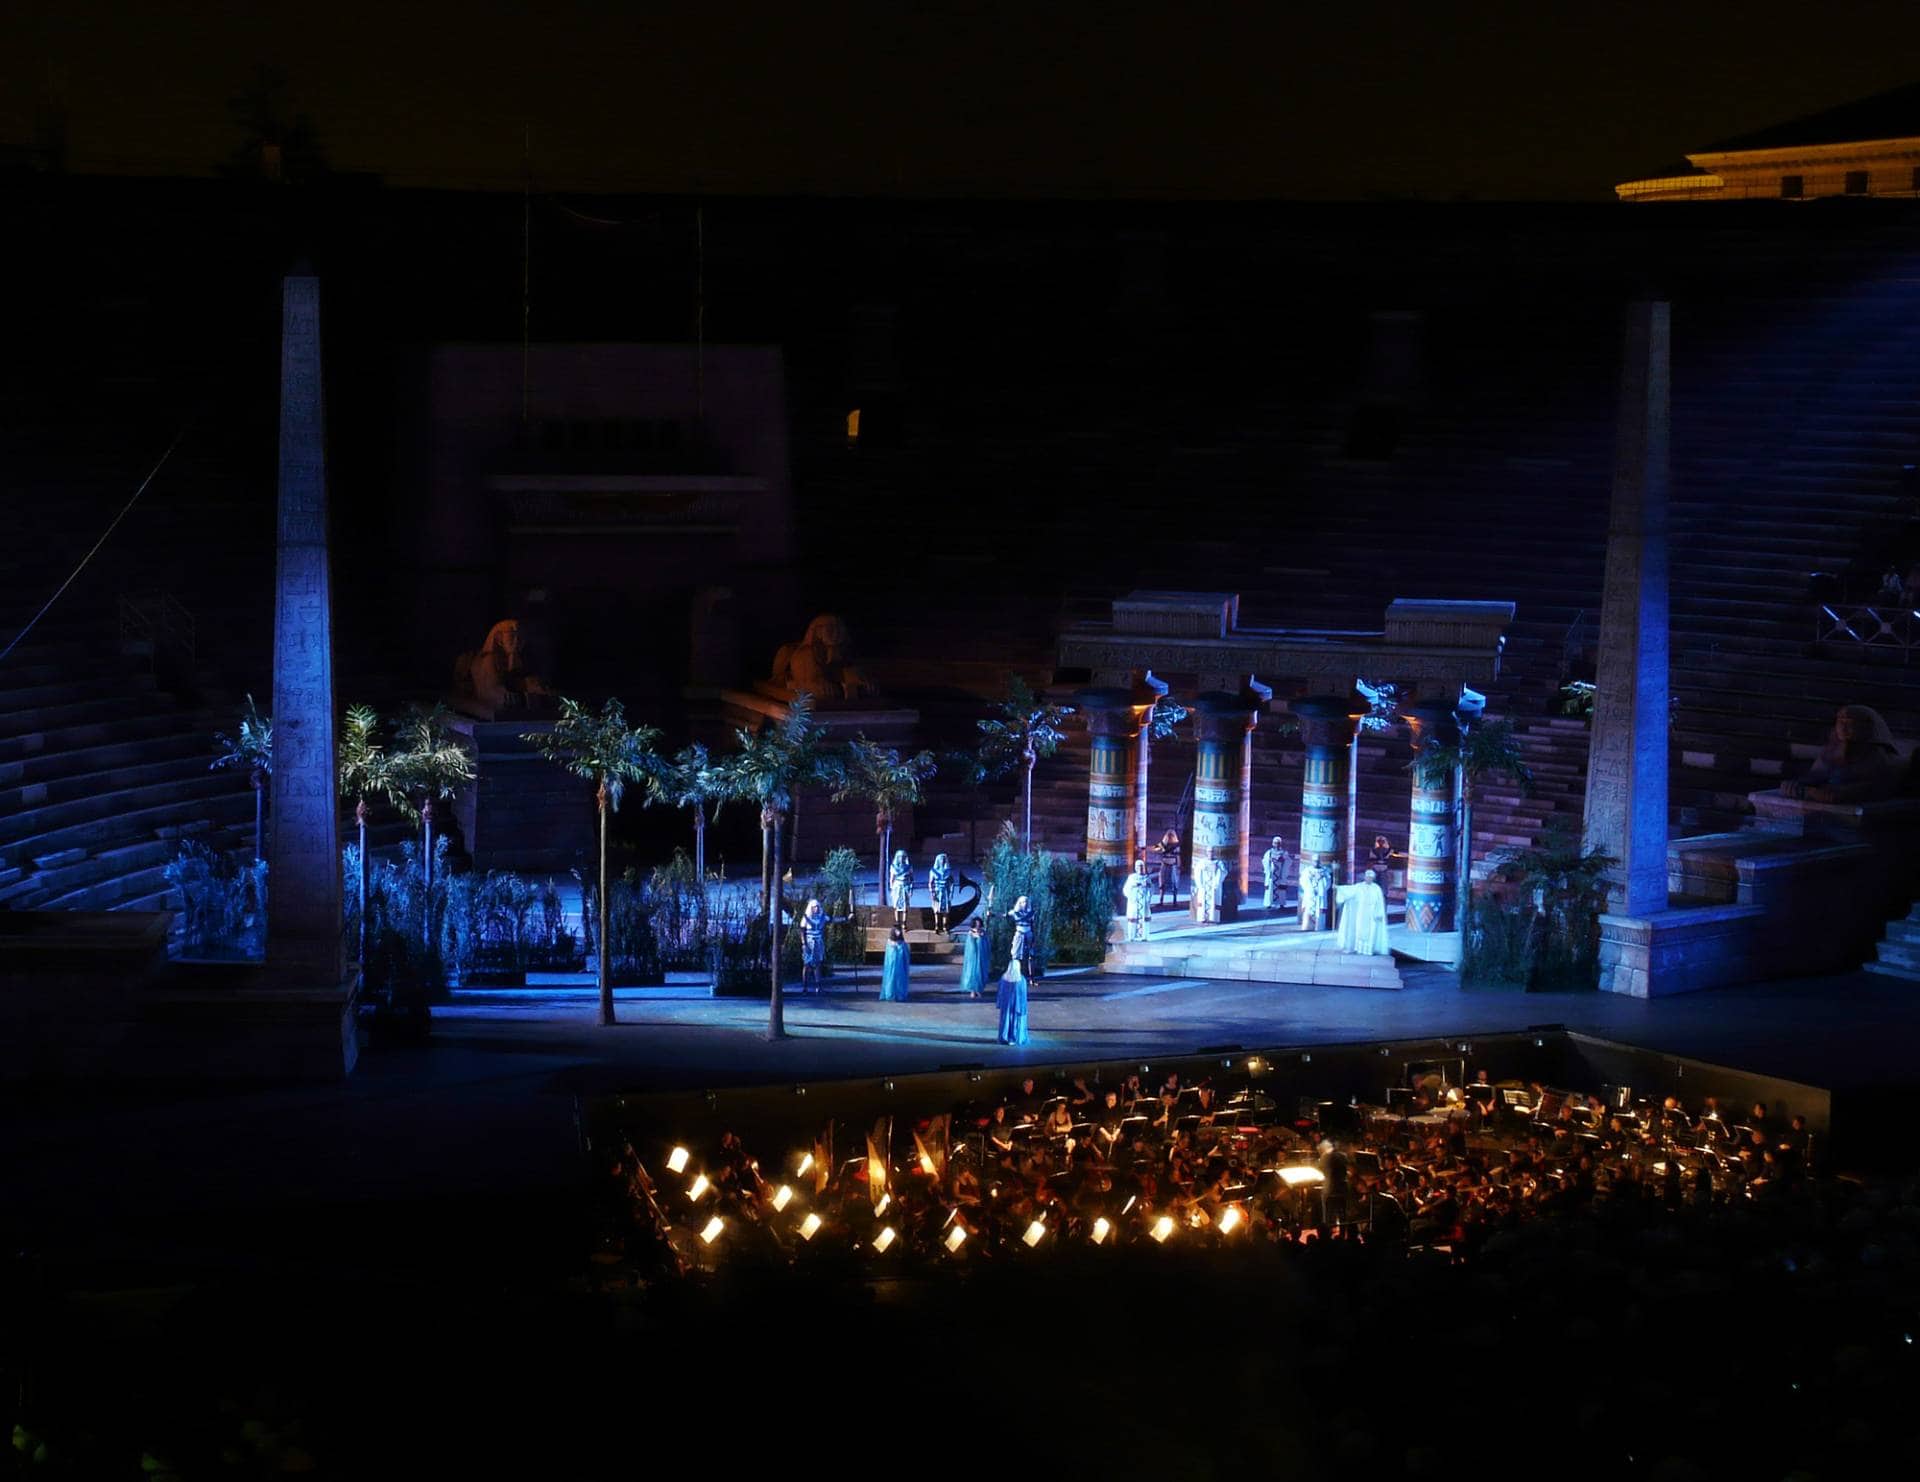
<point>853,427</point>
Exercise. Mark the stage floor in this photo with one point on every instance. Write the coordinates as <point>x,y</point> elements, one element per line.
<point>466,1151</point>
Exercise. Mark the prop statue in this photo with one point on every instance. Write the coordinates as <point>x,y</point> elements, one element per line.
<point>1273,875</point>
<point>1857,765</point>
<point>821,663</point>
<point>499,678</point>
<point>1138,890</point>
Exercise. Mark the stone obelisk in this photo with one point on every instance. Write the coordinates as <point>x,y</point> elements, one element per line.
<point>303,913</point>
<point>1627,758</point>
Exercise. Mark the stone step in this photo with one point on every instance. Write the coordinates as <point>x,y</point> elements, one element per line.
<point>1902,955</point>
<point>1888,970</point>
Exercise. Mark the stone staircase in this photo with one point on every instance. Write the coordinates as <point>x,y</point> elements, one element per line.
<point>1258,951</point>
<point>1899,952</point>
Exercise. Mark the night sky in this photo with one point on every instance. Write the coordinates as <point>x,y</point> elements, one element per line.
<point>1358,99</point>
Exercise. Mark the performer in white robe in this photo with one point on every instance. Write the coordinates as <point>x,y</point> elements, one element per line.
<point>1138,888</point>
<point>1314,880</point>
<point>1363,917</point>
<point>1209,884</point>
<point>1273,875</point>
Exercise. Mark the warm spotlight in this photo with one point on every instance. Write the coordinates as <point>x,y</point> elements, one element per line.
<point>782,1197</point>
<point>1101,1229</point>
<point>698,1188</point>
<point>809,1227</point>
<point>712,1231</point>
<point>1036,1232</point>
<point>677,1160</point>
<point>1230,1219</point>
<point>1295,1178</point>
<point>956,1237</point>
<point>884,1239</point>
<point>1162,1228</point>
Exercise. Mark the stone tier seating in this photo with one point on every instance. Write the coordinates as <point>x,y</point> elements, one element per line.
<point>1899,950</point>
<point>1793,415</point>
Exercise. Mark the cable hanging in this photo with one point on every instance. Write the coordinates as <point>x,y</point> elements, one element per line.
<point>125,509</point>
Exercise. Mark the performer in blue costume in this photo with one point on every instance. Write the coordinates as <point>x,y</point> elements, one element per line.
<point>893,976</point>
<point>1012,1002</point>
<point>813,945</point>
<point>900,887</point>
<point>940,890</point>
<point>1022,918</point>
<point>973,959</point>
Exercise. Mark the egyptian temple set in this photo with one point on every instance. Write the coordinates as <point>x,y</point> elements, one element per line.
<point>1632,537</point>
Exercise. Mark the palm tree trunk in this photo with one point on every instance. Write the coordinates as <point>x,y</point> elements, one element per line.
<point>776,1008</point>
<point>886,854</point>
<point>259,816</point>
<point>360,818</point>
<point>766,892</point>
<point>1032,760</point>
<point>700,854</point>
<point>1463,869</point>
<point>606,957</point>
<point>426,852</point>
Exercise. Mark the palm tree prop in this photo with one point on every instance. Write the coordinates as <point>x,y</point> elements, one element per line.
<point>605,751</point>
<point>430,761</point>
<point>1486,749</point>
<point>887,780</point>
<point>769,768</point>
<point>688,780</point>
<point>367,771</point>
<point>251,748</point>
<point>1025,729</point>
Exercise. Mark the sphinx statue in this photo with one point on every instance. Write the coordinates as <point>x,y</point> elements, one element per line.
<point>821,663</point>
<point>496,679</point>
<point>1858,764</point>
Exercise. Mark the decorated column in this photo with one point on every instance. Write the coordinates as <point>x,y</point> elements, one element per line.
<point>303,890</point>
<point>1113,722</point>
<point>1326,728</point>
<point>1155,690</point>
<point>1258,696</point>
<point>1220,732</point>
<point>1430,831</point>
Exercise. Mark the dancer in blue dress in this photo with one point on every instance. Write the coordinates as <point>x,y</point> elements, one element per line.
<point>973,959</point>
<point>893,976</point>
<point>1012,1002</point>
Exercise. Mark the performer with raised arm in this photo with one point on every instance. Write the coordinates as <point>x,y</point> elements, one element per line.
<point>940,890</point>
<point>1138,890</point>
<point>1363,917</point>
<point>900,888</point>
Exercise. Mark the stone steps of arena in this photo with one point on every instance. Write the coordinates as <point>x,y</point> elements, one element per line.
<point>128,823</point>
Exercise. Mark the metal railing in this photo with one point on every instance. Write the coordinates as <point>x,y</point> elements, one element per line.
<point>1888,625</point>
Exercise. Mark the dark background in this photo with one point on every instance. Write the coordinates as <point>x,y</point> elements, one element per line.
<point>1497,99</point>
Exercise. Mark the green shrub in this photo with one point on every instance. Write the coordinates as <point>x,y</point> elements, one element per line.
<point>223,901</point>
